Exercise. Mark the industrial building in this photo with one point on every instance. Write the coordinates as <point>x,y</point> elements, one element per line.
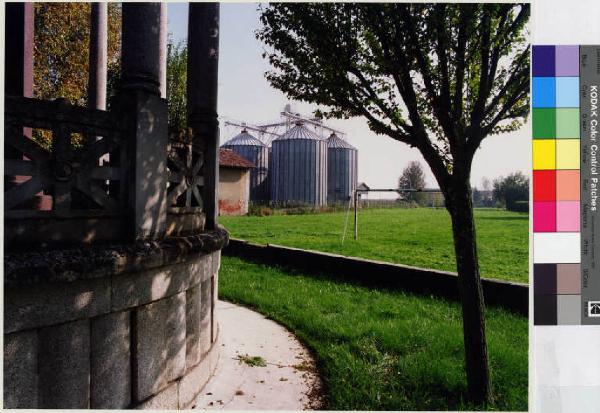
<point>298,165</point>
<point>342,169</point>
<point>299,171</point>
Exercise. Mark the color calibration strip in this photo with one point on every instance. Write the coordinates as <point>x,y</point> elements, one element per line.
<point>564,78</point>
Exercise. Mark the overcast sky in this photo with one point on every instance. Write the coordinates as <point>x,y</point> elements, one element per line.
<point>245,95</point>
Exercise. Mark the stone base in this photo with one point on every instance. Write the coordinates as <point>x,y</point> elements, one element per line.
<point>131,339</point>
<point>182,393</point>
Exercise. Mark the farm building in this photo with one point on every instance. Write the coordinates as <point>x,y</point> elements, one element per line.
<point>234,183</point>
<point>257,153</point>
<point>342,169</point>
<point>299,167</point>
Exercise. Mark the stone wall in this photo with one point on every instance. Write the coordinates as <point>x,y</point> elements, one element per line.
<point>510,295</point>
<point>137,331</point>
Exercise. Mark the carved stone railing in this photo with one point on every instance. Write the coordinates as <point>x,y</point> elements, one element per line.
<point>88,199</point>
<point>185,187</point>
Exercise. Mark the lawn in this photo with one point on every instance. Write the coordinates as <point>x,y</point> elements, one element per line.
<point>383,350</point>
<point>420,237</point>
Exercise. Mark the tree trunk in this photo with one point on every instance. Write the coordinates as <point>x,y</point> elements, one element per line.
<point>473,307</point>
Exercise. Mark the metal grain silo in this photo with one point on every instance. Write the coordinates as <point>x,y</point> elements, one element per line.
<point>299,168</point>
<point>256,152</point>
<point>342,169</point>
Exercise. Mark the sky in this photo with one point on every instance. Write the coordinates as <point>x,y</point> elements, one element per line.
<point>245,95</point>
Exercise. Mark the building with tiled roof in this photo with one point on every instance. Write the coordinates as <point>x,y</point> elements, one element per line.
<point>230,159</point>
<point>234,183</point>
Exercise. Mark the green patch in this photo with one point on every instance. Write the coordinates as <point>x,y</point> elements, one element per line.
<point>383,350</point>
<point>252,361</point>
<point>421,237</point>
<point>544,123</point>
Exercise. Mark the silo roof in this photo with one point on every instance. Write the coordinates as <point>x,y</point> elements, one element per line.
<point>299,132</point>
<point>243,139</point>
<point>335,141</point>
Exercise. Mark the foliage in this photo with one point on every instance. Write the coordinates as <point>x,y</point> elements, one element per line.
<point>520,206</point>
<point>62,37</point>
<point>440,77</point>
<point>513,188</point>
<point>61,53</point>
<point>176,85</point>
<point>412,177</point>
<point>378,349</point>
<point>421,237</point>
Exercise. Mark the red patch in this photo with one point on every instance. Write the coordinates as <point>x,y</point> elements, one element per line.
<point>544,185</point>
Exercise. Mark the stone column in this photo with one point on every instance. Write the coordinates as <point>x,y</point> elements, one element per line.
<point>98,56</point>
<point>18,75</point>
<point>97,73</point>
<point>19,35</point>
<point>202,78</point>
<point>145,111</point>
<point>140,50</point>
<point>162,74</point>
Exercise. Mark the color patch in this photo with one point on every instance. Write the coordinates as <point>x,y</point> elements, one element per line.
<point>544,310</point>
<point>568,310</point>
<point>544,123</point>
<point>568,278</point>
<point>544,92</point>
<point>567,123</point>
<point>567,216</point>
<point>544,185</point>
<point>544,216</point>
<point>567,92</point>
<point>567,154</point>
<point>567,185</point>
<point>544,154</point>
<point>543,61</point>
<point>567,61</point>
<point>544,279</point>
<point>557,247</point>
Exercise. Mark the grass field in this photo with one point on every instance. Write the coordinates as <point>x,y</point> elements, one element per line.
<point>420,236</point>
<point>381,350</point>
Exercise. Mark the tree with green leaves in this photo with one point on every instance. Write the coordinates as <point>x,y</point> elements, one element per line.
<point>61,54</point>
<point>511,189</point>
<point>61,60</point>
<point>176,86</point>
<point>413,177</point>
<point>438,77</point>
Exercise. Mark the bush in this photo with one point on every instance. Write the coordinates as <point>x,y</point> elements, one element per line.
<point>518,206</point>
<point>512,189</point>
<point>259,210</point>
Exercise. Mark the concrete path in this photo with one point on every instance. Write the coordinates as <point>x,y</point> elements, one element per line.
<point>287,381</point>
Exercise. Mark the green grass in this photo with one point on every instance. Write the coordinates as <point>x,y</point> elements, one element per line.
<point>420,236</point>
<point>382,350</point>
<point>253,361</point>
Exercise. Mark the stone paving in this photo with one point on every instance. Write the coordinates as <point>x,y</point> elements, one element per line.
<point>278,372</point>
